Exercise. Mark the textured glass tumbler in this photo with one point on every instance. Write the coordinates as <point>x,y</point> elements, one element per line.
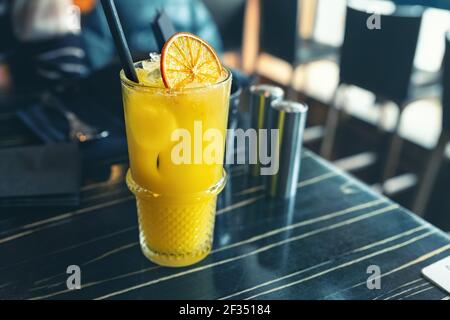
<point>176,200</point>
<point>176,230</point>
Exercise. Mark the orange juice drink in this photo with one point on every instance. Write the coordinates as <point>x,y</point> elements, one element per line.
<point>176,201</point>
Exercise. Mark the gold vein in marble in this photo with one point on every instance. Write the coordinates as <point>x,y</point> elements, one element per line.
<point>364,248</point>
<point>303,223</point>
<point>70,248</point>
<point>406,265</point>
<point>259,250</point>
<point>301,184</point>
<point>258,237</point>
<point>109,253</point>
<point>399,287</point>
<point>40,225</point>
<point>255,238</point>
<point>346,264</point>
<point>416,293</point>
<point>240,204</point>
<point>100,206</point>
<point>406,291</point>
<point>317,179</point>
<point>94,283</point>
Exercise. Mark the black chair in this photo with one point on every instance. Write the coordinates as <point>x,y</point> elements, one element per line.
<point>279,36</point>
<point>433,165</point>
<point>279,29</point>
<point>380,61</point>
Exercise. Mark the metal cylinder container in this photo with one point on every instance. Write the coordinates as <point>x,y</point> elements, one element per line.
<point>289,118</point>
<point>261,98</point>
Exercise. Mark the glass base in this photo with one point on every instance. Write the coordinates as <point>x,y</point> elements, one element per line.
<point>174,260</point>
<point>176,230</point>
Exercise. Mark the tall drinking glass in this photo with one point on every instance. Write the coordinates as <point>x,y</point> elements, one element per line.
<point>176,202</point>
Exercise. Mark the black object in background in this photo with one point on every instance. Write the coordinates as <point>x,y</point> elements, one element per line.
<point>46,175</point>
<point>97,101</point>
<point>229,17</point>
<point>381,61</point>
<point>162,28</point>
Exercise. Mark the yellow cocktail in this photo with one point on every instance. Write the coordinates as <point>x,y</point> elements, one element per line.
<point>176,202</point>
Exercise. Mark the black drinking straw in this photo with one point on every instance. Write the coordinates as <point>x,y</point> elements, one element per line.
<point>162,27</point>
<point>119,39</point>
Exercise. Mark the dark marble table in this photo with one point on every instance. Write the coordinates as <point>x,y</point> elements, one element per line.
<point>317,246</point>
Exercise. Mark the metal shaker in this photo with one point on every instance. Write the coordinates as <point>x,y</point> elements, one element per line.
<point>261,98</point>
<point>289,118</point>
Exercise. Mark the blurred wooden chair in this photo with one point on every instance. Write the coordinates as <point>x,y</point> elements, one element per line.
<point>431,171</point>
<point>238,24</point>
<point>229,17</point>
<point>280,35</point>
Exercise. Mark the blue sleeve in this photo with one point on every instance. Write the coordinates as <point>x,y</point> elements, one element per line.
<point>97,39</point>
<point>59,58</point>
<point>193,16</point>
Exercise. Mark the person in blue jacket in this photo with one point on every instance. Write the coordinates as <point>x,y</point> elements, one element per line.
<point>45,42</point>
<point>136,16</point>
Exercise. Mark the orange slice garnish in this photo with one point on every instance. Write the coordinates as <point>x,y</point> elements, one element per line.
<point>187,60</point>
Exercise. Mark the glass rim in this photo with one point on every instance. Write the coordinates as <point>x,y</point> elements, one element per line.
<point>133,85</point>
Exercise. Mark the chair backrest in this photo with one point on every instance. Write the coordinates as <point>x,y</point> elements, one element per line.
<point>446,86</point>
<point>229,16</point>
<point>380,60</point>
<point>279,28</point>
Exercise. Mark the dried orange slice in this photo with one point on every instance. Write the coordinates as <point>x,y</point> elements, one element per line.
<point>187,60</point>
